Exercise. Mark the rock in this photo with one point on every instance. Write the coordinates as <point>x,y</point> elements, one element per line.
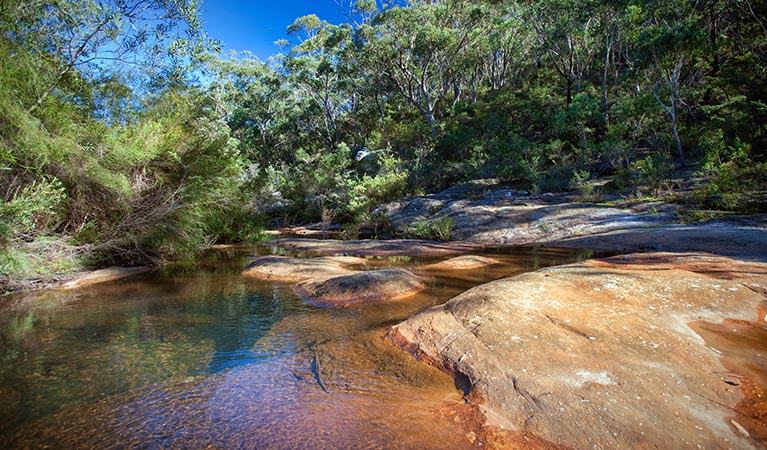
<point>394,247</point>
<point>600,354</point>
<point>360,287</point>
<point>507,217</point>
<point>281,268</point>
<point>103,275</point>
<point>326,281</point>
<point>466,262</point>
<point>738,240</point>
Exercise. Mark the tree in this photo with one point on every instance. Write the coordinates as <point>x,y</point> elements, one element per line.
<point>564,32</point>
<point>253,99</point>
<point>420,50</point>
<point>313,68</point>
<point>90,36</point>
<point>669,43</point>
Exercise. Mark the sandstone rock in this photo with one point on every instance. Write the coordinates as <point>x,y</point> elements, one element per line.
<point>394,247</point>
<point>733,238</point>
<point>103,275</point>
<point>466,262</point>
<point>517,218</point>
<point>505,217</point>
<point>600,354</point>
<point>281,268</point>
<point>360,287</point>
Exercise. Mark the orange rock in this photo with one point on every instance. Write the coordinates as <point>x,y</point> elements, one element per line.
<point>360,287</point>
<point>601,354</point>
<point>466,262</point>
<point>103,275</point>
<point>281,268</point>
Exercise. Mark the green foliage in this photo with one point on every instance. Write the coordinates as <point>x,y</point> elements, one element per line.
<point>36,209</point>
<point>388,184</point>
<point>413,98</point>
<point>438,229</point>
<point>733,180</point>
<point>654,172</point>
<point>693,215</point>
<point>580,182</point>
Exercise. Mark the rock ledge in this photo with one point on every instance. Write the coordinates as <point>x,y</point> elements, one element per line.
<point>601,354</point>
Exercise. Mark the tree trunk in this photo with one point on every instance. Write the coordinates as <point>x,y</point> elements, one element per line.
<point>675,122</point>
<point>605,105</point>
<point>677,141</point>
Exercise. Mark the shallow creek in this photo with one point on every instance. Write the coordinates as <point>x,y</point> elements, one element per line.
<point>209,358</point>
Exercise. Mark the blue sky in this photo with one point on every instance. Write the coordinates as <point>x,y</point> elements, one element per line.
<point>254,25</point>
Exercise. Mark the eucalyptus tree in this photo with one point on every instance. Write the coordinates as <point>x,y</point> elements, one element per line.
<point>313,70</point>
<point>611,18</point>
<point>508,41</point>
<point>669,44</point>
<point>90,36</point>
<point>565,33</point>
<point>421,50</point>
<point>253,98</point>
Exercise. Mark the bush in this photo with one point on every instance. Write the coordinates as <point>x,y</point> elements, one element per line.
<point>367,193</point>
<point>439,229</point>
<point>654,172</point>
<point>580,181</point>
<point>34,210</point>
<point>737,185</point>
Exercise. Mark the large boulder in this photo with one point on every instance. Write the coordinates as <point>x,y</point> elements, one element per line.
<point>603,354</point>
<point>517,218</point>
<point>506,217</point>
<point>360,287</point>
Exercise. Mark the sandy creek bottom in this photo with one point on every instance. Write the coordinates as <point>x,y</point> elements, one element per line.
<point>208,358</point>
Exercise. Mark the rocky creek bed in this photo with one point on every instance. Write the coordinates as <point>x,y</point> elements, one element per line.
<point>662,347</point>
<point>645,350</point>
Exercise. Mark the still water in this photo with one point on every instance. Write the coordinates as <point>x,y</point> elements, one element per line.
<point>210,359</point>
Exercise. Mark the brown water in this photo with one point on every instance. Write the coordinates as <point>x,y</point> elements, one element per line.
<point>208,358</point>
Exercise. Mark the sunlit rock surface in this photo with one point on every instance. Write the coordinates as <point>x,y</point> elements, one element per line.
<point>369,247</point>
<point>281,268</point>
<point>465,262</point>
<point>103,275</point>
<point>360,287</point>
<point>509,217</point>
<point>603,354</point>
<point>329,282</point>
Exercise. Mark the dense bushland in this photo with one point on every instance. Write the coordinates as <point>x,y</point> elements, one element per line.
<point>114,151</point>
<point>542,95</point>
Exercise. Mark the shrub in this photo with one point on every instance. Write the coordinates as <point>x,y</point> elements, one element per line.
<point>654,172</point>
<point>34,210</point>
<point>439,229</point>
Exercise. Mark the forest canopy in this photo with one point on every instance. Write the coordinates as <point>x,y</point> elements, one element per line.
<point>127,137</point>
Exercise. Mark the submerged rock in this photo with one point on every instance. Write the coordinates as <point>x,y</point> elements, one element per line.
<point>466,262</point>
<point>282,268</point>
<point>103,275</point>
<point>601,354</point>
<point>360,287</point>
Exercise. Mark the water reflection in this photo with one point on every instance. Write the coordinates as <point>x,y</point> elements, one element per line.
<point>190,358</point>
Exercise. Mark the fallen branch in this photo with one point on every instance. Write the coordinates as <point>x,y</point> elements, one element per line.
<point>316,368</point>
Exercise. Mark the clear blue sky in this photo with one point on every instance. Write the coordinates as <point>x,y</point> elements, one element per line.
<point>254,25</point>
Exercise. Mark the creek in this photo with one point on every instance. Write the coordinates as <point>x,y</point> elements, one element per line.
<point>209,358</point>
